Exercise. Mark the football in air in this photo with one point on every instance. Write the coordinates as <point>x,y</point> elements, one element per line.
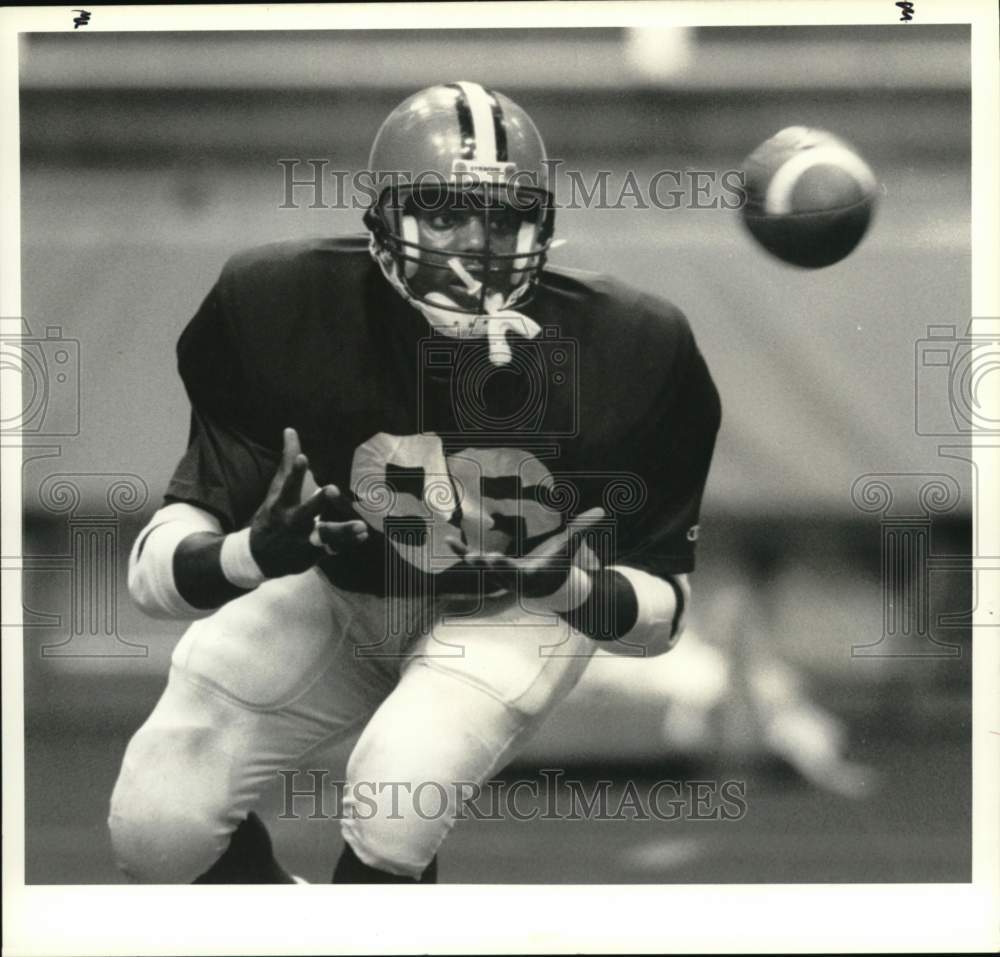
<point>809,196</point>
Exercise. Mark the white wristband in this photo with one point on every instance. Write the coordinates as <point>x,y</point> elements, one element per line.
<point>653,629</point>
<point>572,593</point>
<point>238,564</point>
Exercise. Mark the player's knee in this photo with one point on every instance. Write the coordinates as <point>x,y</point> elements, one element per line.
<point>395,822</point>
<point>162,829</point>
<point>157,845</point>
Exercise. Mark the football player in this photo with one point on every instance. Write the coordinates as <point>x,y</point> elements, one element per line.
<point>426,477</point>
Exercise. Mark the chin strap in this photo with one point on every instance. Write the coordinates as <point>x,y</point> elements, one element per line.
<point>441,311</point>
<point>493,325</point>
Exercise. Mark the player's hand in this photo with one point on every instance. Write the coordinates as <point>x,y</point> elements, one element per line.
<point>287,535</point>
<point>540,573</point>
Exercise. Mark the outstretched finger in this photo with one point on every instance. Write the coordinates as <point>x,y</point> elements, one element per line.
<point>484,561</point>
<point>289,450</point>
<point>338,536</point>
<point>291,488</point>
<point>339,507</point>
<point>290,447</point>
<point>469,557</point>
<point>586,519</point>
<point>566,540</point>
<point>503,572</point>
<point>579,525</point>
<point>315,505</point>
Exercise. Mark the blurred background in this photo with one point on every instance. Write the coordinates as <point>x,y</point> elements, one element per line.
<point>820,669</point>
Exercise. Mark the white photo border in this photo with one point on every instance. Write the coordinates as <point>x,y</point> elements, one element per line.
<point>83,920</point>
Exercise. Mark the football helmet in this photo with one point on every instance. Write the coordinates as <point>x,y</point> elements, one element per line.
<point>460,146</point>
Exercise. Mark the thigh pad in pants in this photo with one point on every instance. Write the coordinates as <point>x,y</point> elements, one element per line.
<point>521,659</point>
<point>265,649</point>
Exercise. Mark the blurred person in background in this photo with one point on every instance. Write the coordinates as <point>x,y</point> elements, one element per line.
<point>403,490</point>
<point>721,705</point>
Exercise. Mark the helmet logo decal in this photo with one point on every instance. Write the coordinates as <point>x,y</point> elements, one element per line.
<point>473,172</point>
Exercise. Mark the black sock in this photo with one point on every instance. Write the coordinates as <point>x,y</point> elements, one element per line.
<point>249,858</point>
<point>352,870</point>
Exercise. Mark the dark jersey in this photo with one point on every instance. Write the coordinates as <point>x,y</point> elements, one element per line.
<point>610,405</point>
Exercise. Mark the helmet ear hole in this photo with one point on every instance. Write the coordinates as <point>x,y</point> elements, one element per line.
<point>372,221</point>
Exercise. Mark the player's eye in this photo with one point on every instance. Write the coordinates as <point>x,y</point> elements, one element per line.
<point>443,221</point>
<point>503,221</point>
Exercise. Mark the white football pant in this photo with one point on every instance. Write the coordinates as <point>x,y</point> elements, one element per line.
<point>296,665</point>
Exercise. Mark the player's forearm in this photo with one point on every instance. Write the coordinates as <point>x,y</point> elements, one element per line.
<point>177,568</point>
<point>631,611</point>
<point>198,572</point>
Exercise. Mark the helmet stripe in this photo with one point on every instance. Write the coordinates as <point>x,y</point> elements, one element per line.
<point>465,125</point>
<point>499,126</point>
<point>482,121</point>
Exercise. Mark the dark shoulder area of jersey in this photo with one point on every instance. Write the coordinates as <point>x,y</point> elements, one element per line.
<point>634,352</point>
<point>309,333</point>
<point>290,331</point>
